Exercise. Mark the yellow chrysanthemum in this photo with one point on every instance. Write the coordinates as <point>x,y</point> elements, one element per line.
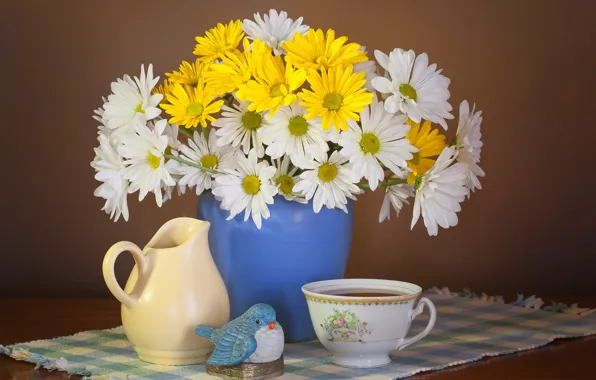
<point>165,88</point>
<point>430,143</point>
<point>316,51</point>
<point>236,68</point>
<point>191,106</point>
<point>337,96</point>
<point>189,73</point>
<point>273,86</point>
<point>218,41</point>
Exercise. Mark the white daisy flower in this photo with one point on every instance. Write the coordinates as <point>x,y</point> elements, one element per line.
<point>290,133</point>
<point>329,181</point>
<point>439,193</point>
<point>381,139</point>
<point>99,116</point>
<point>206,153</point>
<point>131,100</point>
<point>99,113</point>
<point>285,178</point>
<point>273,29</point>
<point>169,190</point>
<point>417,89</point>
<point>172,131</point>
<point>145,162</point>
<point>247,188</point>
<point>395,196</point>
<point>238,127</point>
<point>369,68</point>
<point>469,144</point>
<point>114,188</point>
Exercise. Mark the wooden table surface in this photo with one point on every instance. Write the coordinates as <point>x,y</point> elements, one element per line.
<point>29,319</point>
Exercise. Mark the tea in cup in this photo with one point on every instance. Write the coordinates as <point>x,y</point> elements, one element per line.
<point>361,321</point>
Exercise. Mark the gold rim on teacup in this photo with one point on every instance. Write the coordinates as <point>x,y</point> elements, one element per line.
<point>323,291</point>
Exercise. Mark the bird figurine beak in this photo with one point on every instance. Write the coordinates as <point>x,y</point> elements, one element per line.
<point>271,326</point>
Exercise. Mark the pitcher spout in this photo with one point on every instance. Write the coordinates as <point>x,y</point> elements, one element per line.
<point>179,232</point>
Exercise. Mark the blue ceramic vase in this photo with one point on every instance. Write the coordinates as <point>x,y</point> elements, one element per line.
<point>295,246</point>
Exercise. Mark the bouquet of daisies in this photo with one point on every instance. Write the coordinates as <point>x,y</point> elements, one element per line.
<point>272,108</point>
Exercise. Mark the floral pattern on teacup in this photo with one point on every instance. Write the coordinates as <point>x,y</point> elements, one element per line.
<point>345,326</point>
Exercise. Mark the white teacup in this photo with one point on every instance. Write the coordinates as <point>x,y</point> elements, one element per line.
<point>361,331</point>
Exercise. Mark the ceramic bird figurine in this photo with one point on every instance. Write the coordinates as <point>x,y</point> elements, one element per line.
<point>254,335</point>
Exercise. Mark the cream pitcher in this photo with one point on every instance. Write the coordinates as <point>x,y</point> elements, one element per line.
<point>173,287</point>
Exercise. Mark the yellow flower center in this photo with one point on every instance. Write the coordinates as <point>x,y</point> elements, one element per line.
<point>281,89</point>
<point>327,172</point>
<point>286,184</point>
<point>333,101</point>
<point>251,184</point>
<point>252,120</point>
<point>369,143</point>
<point>298,126</point>
<point>416,159</point>
<point>153,160</point>
<point>194,109</point>
<point>209,161</point>
<point>139,108</point>
<point>409,91</point>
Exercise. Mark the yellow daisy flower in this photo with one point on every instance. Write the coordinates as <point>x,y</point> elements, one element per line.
<point>337,96</point>
<point>273,86</point>
<point>189,73</point>
<point>191,106</point>
<point>165,88</point>
<point>318,51</point>
<point>218,41</point>
<point>236,68</point>
<point>430,143</point>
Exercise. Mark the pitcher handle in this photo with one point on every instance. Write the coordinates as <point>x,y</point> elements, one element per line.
<point>431,323</point>
<point>108,270</point>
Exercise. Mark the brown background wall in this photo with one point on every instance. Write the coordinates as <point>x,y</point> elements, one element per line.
<point>529,65</point>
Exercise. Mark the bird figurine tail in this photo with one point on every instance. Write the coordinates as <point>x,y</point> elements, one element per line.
<point>204,331</point>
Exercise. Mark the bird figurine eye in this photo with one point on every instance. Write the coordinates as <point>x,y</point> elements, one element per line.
<point>258,321</point>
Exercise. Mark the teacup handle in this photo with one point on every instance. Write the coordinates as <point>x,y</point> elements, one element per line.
<point>431,323</point>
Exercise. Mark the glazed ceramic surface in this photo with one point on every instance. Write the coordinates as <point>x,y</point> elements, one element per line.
<point>295,246</point>
<point>174,286</point>
<point>362,331</point>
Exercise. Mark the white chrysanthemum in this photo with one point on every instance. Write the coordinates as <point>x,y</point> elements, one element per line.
<point>285,178</point>
<point>417,89</point>
<point>131,100</point>
<point>329,181</point>
<point>273,29</point>
<point>144,152</point>
<point>247,188</point>
<point>381,139</point>
<point>439,193</point>
<point>114,188</point>
<point>395,196</point>
<point>469,144</point>
<point>238,127</point>
<point>369,68</point>
<point>206,153</point>
<point>290,133</point>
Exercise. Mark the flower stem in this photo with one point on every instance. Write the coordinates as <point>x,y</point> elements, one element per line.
<point>382,184</point>
<point>193,164</point>
<point>185,132</point>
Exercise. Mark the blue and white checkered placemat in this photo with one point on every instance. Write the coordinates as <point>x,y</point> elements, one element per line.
<point>469,327</point>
